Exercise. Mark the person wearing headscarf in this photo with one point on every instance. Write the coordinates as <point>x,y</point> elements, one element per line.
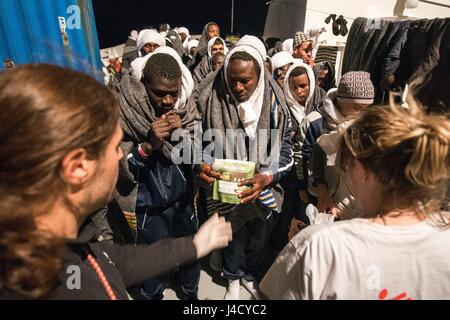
<point>185,36</point>
<point>191,51</point>
<point>302,94</point>
<point>281,62</point>
<point>210,31</point>
<point>153,103</point>
<point>215,45</point>
<point>243,100</point>
<point>325,75</point>
<point>278,47</point>
<point>256,43</point>
<point>148,41</point>
<point>302,97</point>
<point>288,46</point>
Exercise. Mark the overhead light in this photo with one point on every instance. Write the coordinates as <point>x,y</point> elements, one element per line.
<point>411,4</point>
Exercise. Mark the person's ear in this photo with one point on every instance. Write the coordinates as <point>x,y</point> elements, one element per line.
<point>77,169</point>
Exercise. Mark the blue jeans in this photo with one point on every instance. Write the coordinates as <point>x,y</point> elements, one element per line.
<point>173,222</point>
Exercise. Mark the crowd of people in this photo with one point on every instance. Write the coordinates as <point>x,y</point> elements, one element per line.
<point>117,180</point>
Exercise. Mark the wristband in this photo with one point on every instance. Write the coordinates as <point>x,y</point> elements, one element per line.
<point>142,153</point>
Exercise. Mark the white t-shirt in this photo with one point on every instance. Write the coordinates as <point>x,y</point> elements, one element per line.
<point>361,260</point>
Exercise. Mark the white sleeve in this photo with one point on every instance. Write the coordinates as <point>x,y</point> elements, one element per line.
<point>287,279</point>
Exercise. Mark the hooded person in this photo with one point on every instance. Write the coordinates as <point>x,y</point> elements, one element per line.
<point>153,102</point>
<point>239,100</point>
<point>192,45</point>
<point>175,42</point>
<point>302,98</point>
<point>281,62</point>
<point>148,41</point>
<point>185,37</point>
<point>302,94</point>
<point>318,180</point>
<point>215,45</point>
<point>191,51</point>
<point>288,46</point>
<point>276,49</point>
<point>325,75</point>
<point>210,31</point>
<point>256,43</point>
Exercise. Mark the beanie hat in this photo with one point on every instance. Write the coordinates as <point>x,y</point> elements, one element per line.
<point>299,38</point>
<point>356,87</point>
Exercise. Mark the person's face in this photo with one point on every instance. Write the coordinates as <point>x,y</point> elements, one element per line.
<point>351,110</point>
<point>217,48</point>
<point>280,74</point>
<point>218,62</point>
<point>242,79</point>
<point>105,180</point>
<point>213,31</point>
<point>149,48</point>
<point>300,87</point>
<point>183,36</point>
<point>193,51</point>
<point>323,77</point>
<point>304,52</point>
<point>163,94</point>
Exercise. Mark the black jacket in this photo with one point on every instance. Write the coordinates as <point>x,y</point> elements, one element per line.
<point>123,266</point>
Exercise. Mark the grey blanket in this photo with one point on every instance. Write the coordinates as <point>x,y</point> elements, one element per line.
<point>202,69</point>
<point>137,114</point>
<point>217,110</point>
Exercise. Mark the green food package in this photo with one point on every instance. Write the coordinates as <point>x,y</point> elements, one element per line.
<point>233,172</point>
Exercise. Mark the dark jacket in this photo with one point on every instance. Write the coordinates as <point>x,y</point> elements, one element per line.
<point>161,182</point>
<point>426,59</point>
<point>122,266</point>
<point>317,123</point>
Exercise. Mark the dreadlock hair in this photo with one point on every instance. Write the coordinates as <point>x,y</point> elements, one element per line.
<point>244,56</point>
<point>162,65</point>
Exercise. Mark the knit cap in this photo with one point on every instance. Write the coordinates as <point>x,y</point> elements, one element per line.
<point>299,38</point>
<point>356,87</point>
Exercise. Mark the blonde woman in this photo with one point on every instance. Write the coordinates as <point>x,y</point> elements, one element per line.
<point>396,163</point>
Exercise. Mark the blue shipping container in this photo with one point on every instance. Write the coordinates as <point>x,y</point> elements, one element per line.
<point>61,32</point>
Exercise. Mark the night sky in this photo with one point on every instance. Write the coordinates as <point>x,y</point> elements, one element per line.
<point>115,21</point>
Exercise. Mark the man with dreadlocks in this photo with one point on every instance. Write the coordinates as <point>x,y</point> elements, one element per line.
<point>153,105</point>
